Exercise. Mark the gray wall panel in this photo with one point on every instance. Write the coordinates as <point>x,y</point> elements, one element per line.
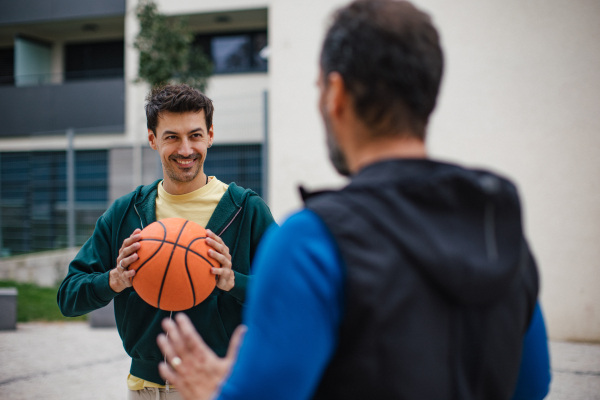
<point>87,106</point>
<point>22,11</point>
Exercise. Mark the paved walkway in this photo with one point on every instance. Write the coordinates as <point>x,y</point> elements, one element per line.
<point>70,361</point>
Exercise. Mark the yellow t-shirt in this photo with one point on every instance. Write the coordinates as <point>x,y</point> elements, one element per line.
<point>197,206</point>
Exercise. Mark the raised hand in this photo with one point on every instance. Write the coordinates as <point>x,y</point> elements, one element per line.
<point>192,367</point>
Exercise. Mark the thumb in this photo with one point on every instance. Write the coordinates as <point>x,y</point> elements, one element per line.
<point>236,342</point>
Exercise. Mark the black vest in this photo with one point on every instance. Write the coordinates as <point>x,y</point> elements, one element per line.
<point>440,284</point>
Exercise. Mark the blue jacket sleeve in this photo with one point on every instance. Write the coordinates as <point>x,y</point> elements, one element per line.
<point>534,375</point>
<point>294,309</point>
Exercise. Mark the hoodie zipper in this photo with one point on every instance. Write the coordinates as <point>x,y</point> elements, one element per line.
<point>232,219</point>
<point>138,214</point>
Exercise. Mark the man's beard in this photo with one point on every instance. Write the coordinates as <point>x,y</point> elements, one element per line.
<point>180,176</point>
<point>337,157</point>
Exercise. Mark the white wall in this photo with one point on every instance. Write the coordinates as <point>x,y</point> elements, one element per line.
<point>297,151</point>
<point>520,95</point>
<point>238,102</point>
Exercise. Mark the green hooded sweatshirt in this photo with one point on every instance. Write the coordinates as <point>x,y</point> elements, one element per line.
<point>240,219</point>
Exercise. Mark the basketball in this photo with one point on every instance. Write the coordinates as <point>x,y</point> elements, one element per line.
<point>173,266</point>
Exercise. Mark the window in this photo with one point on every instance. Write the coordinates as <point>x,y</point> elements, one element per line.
<point>33,198</point>
<point>240,163</point>
<point>94,60</point>
<point>235,52</point>
<point>7,66</point>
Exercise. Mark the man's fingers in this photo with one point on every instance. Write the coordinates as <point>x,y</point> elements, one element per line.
<point>223,260</point>
<point>165,347</point>
<point>134,238</point>
<point>235,343</point>
<point>130,249</point>
<point>127,261</point>
<point>219,248</point>
<point>213,235</point>
<point>168,374</point>
<point>175,339</point>
<point>137,231</point>
<point>191,338</point>
<point>216,242</point>
<point>224,272</point>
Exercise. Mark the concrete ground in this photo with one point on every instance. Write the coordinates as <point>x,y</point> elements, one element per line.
<point>71,361</point>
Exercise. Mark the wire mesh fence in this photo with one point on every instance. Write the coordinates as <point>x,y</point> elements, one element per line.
<point>34,203</point>
<point>240,163</point>
<point>33,198</point>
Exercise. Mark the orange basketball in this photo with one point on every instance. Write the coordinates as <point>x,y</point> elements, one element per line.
<point>173,266</point>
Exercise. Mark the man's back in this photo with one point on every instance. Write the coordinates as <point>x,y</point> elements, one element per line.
<point>440,285</point>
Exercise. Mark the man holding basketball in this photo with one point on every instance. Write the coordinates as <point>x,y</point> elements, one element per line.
<point>180,128</point>
<point>413,282</point>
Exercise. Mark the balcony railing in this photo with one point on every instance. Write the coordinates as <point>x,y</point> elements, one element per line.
<point>39,106</point>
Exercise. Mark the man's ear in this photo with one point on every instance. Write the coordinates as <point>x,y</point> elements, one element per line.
<point>211,135</point>
<point>336,97</point>
<point>152,139</point>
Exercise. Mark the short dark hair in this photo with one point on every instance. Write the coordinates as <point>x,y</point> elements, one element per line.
<point>390,60</point>
<point>176,99</point>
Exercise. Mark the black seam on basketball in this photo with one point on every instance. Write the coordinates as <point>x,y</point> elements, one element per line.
<point>187,249</point>
<point>156,252</point>
<point>168,264</point>
<point>186,266</point>
<point>167,242</point>
<point>183,247</point>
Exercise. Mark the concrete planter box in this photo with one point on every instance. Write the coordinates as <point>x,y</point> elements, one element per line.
<point>103,317</point>
<point>8,309</point>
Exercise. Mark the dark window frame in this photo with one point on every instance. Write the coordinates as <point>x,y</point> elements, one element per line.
<point>7,66</point>
<point>203,41</point>
<point>84,71</point>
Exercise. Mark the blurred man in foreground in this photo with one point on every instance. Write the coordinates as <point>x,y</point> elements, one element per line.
<point>413,282</point>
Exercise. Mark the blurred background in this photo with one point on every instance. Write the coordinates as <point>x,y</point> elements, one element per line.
<point>520,96</point>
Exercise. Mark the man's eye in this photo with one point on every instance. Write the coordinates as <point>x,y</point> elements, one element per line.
<point>171,137</point>
<point>197,135</point>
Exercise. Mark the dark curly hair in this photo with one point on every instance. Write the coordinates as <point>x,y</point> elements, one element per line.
<point>389,56</point>
<point>176,99</point>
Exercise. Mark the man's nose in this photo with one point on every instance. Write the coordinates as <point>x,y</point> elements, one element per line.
<point>185,149</point>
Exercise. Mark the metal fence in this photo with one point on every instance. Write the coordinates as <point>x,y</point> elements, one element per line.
<point>241,163</point>
<point>34,203</point>
<point>34,192</point>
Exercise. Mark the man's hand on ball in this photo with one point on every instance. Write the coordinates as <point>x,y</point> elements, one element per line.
<point>220,252</point>
<point>120,276</point>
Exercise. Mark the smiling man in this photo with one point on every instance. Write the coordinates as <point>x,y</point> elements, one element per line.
<point>180,128</point>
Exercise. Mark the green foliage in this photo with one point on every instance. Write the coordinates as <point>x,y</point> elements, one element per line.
<point>166,51</point>
<point>36,303</point>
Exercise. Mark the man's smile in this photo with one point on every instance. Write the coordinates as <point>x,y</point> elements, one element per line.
<point>184,162</point>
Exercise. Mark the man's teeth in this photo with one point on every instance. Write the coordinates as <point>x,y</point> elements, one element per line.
<point>185,162</point>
